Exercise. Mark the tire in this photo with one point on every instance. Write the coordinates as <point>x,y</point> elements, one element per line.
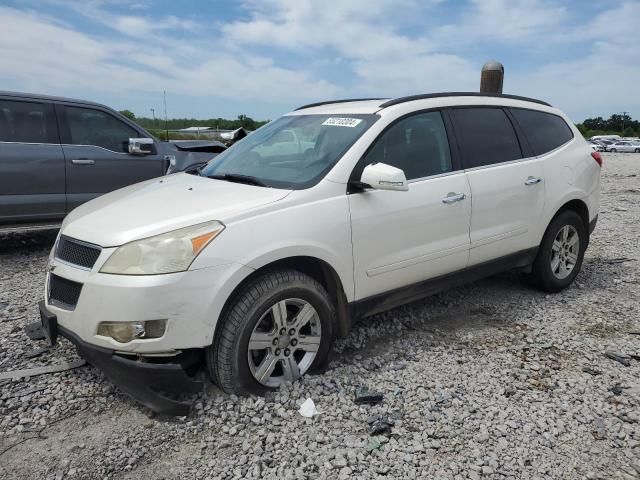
<point>613,150</point>
<point>256,313</point>
<point>552,277</point>
<point>637,150</point>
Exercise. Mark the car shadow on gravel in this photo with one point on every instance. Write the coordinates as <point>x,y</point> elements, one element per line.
<point>26,242</point>
<point>443,317</point>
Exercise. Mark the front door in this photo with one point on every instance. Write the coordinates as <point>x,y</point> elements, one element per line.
<point>402,238</point>
<point>96,150</point>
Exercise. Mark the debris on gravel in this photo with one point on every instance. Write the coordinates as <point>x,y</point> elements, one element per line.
<point>379,425</point>
<point>498,381</point>
<point>364,395</point>
<point>623,359</point>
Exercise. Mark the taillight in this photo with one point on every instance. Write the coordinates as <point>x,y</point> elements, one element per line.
<point>597,157</point>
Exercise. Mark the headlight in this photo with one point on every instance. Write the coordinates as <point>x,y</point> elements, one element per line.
<point>167,253</point>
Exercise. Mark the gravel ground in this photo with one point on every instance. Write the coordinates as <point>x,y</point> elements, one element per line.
<point>493,380</point>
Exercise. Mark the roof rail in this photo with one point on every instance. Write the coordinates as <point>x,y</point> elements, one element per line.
<point>335,101</point>
<point>410,98</point>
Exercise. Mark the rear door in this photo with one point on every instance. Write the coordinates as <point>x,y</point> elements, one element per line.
<point>32,175</point>
<point>96,150</point>
<point>507,184</point>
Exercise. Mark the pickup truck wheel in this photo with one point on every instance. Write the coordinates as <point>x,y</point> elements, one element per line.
<point>278,327</point>
<point>561,253</point>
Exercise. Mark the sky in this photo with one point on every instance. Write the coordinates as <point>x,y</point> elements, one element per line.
<point>262,58</point>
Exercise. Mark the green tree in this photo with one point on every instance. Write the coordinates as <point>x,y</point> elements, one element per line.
<point>129,114</point>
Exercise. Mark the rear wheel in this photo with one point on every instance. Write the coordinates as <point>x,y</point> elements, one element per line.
<point>637,150</point>
<point>561,252</point>
<point>613,150</point>
<point>278,327</point>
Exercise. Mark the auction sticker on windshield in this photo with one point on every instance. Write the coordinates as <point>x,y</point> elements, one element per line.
<point>342,122</point>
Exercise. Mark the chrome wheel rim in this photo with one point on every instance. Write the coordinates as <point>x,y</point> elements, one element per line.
<point>564,252</point>
<point>284,343</point>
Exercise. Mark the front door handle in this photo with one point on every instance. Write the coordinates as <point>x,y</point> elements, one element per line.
<point>82,161</point>
<point>532,181</point>
<point>453,197</point>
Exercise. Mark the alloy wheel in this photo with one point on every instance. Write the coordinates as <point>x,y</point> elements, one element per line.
<point>564,252</point>
<point>284,343</point>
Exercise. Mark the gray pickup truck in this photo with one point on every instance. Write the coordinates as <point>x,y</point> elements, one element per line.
<point>56,153</point>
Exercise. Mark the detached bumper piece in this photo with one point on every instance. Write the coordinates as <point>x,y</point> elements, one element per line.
<point>147,383</point>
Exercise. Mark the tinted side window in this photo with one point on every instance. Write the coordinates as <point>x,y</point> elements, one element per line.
<point>544,131</point>
<point>23,122</point>
<point>485,136</point>
<point>94,127</point>
<point>418,145</point>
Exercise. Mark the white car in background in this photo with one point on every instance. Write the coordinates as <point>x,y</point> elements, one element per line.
<point>624,146</point>
<point>253,266</point>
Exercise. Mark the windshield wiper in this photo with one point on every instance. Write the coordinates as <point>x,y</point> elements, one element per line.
<point>238,178</point>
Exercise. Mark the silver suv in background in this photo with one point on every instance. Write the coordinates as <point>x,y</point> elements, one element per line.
<point>57,153</point>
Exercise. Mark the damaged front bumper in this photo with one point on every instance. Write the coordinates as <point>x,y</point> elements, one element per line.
<point>146,382</point>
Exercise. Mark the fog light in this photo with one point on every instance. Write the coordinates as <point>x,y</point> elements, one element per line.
<point>124,332</point>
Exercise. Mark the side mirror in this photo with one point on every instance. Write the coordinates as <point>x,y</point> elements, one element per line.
<point>381,176</point>
<point>141,146</point>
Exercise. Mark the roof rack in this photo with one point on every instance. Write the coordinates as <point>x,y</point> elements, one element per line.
<point>336,101</point>
<point>410,98</point>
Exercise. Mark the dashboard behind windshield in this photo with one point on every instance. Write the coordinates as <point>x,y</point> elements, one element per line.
<point>292,152</point>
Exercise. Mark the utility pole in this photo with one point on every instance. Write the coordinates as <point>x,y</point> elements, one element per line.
<point>624,114</point>
<point>166,126</point>
<point>153,113</point>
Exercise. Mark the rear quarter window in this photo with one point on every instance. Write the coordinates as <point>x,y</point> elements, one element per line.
<point>544,131</point>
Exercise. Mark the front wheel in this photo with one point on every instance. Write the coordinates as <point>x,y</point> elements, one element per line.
<point>278,327</point>
<point>637,150</point>
<point>561,253</point>
<point>613,150</point>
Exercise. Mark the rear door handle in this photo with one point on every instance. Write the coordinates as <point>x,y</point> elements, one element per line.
<point>82,161</point>
<point>453,198</point>
<point>532,181</point>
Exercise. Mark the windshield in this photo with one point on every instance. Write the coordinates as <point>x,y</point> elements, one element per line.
<point>292,152</point>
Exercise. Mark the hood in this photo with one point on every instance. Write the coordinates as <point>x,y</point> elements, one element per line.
<point>211,146</point>
<point>185,155</point>
<point>161,205</point>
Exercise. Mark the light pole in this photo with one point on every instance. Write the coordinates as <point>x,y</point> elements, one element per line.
<point>153,113</point>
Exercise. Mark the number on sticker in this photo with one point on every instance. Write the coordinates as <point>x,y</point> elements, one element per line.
<point>342,122</point>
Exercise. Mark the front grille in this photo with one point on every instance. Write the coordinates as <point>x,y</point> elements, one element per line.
<point>63,292</point>
<point>77,253</point>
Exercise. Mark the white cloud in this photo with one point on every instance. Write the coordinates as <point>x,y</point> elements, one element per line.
<point>379,58</point>
<point>46,57</point>
<point>355,29</point>
<point>289,51</point>
<point>141,26</point>
<point>514,21</point>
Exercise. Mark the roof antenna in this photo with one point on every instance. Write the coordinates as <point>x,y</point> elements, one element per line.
<point>491,77</point>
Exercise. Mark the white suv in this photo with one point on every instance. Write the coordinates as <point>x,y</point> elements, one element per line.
<point>256,263</point>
